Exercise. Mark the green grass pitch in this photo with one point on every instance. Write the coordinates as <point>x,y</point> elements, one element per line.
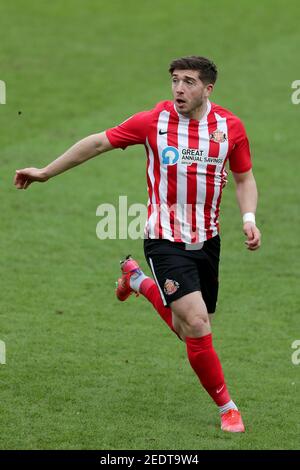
<point>82,370</point>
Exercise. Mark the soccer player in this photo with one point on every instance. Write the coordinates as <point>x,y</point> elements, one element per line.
<point>188,142</point>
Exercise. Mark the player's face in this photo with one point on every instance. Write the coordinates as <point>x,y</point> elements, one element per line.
<point>189,92</point>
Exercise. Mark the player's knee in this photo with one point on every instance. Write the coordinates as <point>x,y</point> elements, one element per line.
<point>198,325</point>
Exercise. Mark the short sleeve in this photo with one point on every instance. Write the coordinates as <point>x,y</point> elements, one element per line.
<point>240,157</point>
<point>130,132</point>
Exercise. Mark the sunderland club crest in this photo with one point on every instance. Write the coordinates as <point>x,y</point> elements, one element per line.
<point>218,136</point>
<point>170,286</point>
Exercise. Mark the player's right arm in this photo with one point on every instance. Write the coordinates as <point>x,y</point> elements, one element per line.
<point>82,151</point>
<point>130,132</point>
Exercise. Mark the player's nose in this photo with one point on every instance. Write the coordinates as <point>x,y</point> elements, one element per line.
<point>179,88</point>
<point>179,93</point>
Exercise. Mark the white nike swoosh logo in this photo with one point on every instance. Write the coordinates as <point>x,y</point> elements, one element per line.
<point>220,389</point>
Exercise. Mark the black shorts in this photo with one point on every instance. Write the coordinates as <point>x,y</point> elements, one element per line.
<point>179,270</point>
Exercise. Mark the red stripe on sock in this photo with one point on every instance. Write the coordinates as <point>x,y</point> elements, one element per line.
<point>146,285</point>
<point>206,364</point>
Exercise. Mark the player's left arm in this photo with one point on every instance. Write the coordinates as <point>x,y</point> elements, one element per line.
<point>247,196</point>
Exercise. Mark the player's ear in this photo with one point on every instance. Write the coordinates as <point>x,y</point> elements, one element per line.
<point>209,89</point>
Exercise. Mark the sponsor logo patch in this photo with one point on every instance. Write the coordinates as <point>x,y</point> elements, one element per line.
<point>218,136</point>
<point>171,286</point>
<point>170,155</point>
<point>186,156</point>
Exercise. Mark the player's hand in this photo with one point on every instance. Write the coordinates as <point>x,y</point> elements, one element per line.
<point>23,178</point>
<point>253,236</point>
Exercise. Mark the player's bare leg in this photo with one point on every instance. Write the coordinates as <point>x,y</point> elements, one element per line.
<point>190,315</point>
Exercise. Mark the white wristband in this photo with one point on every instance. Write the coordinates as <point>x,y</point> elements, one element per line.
<point>248,217</point>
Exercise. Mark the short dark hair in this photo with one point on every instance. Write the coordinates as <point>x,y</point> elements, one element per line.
<point>208,72</point>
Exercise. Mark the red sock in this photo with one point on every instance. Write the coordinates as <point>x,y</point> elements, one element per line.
<point>205,362</point>
<point>150,290</point>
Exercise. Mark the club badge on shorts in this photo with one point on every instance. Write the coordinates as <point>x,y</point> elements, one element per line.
<point>170,286</point>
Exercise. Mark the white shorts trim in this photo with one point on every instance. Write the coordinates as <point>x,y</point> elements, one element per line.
<point>155,278</point>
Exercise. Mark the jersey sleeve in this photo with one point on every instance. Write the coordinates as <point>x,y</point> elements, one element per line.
<point>130,132</point>
<point>240,157</point>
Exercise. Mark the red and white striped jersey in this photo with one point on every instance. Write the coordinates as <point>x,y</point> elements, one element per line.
<point>185,167</point>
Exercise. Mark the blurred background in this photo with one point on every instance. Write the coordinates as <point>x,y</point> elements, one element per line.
<point>82,370</point>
